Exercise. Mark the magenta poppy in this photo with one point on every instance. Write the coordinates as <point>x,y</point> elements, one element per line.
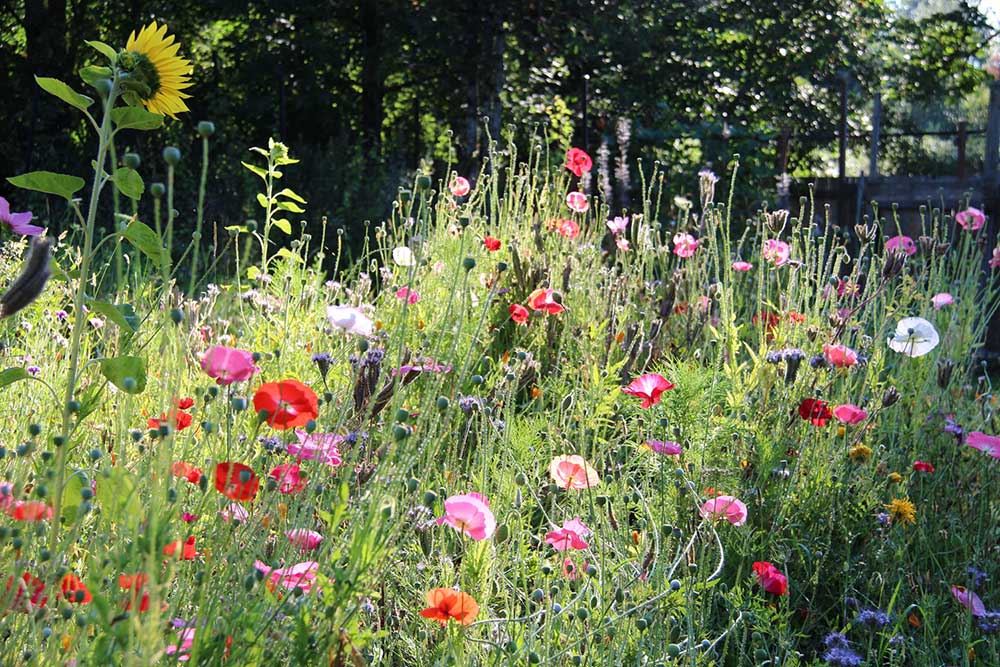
<point>849,414</point>
<point>569,536</point>
<point>578,162</point>
<point>648,387</point>
<point>725,507</point>
<point>228,364</point>
<point>470,514</point>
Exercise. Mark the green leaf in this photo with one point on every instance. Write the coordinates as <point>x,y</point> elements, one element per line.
<point>288,254</point>
<point>291,195</point>
<point>116,370</point>
<point>129,182</point>
<point>144,239</point>
<point>12,375</point>
<point>90,401</point>
<point>64,92</point>
<point>239,229</point>
<point>118,496</point>
<point>252,272</point>
<point>262,200</point>
<point>123,315</point>
<point>92,73</point>
<point>71,496</point>
<point>255,169</point>
<point>291,207</point>
<point>49,182</point>
<point>283,225</point>
<point>136,118</point>
<point>104,49</point>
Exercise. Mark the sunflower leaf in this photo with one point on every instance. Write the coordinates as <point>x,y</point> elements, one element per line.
<point>104,49</point>
<point>12,375</point>
<point>64,92</point>
<point>257,170</point>
<point>129,182</point>
<point>91,73</point>
<point>291,207</point>
<point>119,369</point>
<point>283,225</point>
<point>145,239</point>
<point>136,118</point>
<point>291,195</point>
<point>49,182</point>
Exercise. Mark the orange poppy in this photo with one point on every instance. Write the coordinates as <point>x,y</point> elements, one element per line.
<point>288,403</point>
<point>446,604</point>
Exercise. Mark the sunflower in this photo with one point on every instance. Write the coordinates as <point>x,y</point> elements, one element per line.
<point>157,75</point>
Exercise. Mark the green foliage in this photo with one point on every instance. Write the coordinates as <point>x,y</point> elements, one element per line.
<point>49,182</point>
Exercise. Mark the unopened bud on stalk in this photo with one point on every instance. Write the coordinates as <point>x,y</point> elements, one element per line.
<point>894,263</point>
<point>206,128</point>
<point>157,189</point>
<point>172,155</point>
<point>132,160</point>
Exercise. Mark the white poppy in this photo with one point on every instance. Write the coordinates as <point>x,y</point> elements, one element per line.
<point>914,337</point>
<point>350,319</point>
<point>403,256</point>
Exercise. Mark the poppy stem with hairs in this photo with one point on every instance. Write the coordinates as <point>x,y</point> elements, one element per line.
<point>68,409</point>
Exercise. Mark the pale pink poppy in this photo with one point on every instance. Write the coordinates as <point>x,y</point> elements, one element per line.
<point>235,512</point>
<point>322,447</point>
<point>725,507</point>
<point>301,575</point>
<point>571,471</point>
<point>941,300</point>
<point>617,224</point>
<point>470,514</point>
<point>984,443</point>
<point>995,259</point>
<point>742,267</point>
<point>578,202</point>
<point>185,637</point>
<point>543,299</point>
<point>568,228</point>
<point>228,364</point>
<point>622,243</point>
<point>903,243</point>
<point>648,387</point>
<point>304,539</point>
<point>971,219</point>
<point>408,295</point>
<point>459,186</point>
<point>570,536</point>
<point>849,414</point>
<point>289,478</point>
<point>665,447</point>
<point>969,600</point>
<point>685,245</point>
<point>350,319</point>
<point>775,251</point>
<point>839,356</point>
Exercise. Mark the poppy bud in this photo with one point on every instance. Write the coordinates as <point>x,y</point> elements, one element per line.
<point>157,190</point>
<point>206,128</point>
<point>132,160</point>
<point>172,155</point>
<point>469,263</point>
<point>894,263</point>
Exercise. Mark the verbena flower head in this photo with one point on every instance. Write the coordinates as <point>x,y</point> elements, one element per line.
<point>470,514</point>
<point>648,387</point>
<point>228,365</point>
<point>914,337</point>
<point>157,75</point>
<point>725,507</point>
<point>18,223</point>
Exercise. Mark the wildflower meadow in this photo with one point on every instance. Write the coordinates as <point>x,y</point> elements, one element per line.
<point>518,425</point>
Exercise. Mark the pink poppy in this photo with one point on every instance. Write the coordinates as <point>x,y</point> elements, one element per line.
<point>19,223</point>
<point>617,224</point>
<point>306,540</point>
<point>569,536</point>
<point>969,600</point>
<point>725,507</point>
<point>775,251</point>
<point>469,513</point>
<point>648,387</point>
<point>301,575</point>
<point>984,443</point>
<point>567,228</point>
<point>185,637</point>
<point>408,295</point>
<point>422,365</point>
<point>317,446</point>
<point>29,511</point>
<point>519,314</point>
<point>228,365</point>
<point>187,517</point>
<point>578,162</point>
<point>570,569</point>
<point>459,186</point>
<point>850,414</point>
<point>543,299</point>
<point>971,219</point>
<point>941,300</point>
<point>571,471</point>
<point>995,259</point>
<point>840,356</point>
<point>742,267</point>
<point>288,477</point>
<point>665,447</point>
<point>770,578</point>
<point>622,244</point>
<point>903,243</point>
<point>235,512</point>
<point>685,245</point>
<point>578,202</point>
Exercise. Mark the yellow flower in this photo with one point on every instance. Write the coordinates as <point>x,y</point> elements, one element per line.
<point>860,453</point>
<point>902,511</point>
<point>152,61</point>
<point>895,477</point>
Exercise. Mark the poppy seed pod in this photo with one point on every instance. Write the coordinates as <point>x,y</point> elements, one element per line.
<point>30,283</point>
<point>945,367</point>
<point>894,263</point>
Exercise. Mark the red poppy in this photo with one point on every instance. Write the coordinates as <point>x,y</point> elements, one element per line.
<point>770,320</point>
<point>770,578</point>
<point>29,510</point>
<point>187,471</point>
<point>181,419</point>
<point>186,548</point>
<point>815,411</point>
<point>236,481</point>
<point>492,244</point>
<point>288,403</point>
<point>519,313</point>
<point>134,583</point>
<point>798,318</point>
<point>578,162</point>
<point>74,590</point>
<point>447,604</point>
<point>185,403</point>
<point>30,585</point>
<point>923,466</point>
